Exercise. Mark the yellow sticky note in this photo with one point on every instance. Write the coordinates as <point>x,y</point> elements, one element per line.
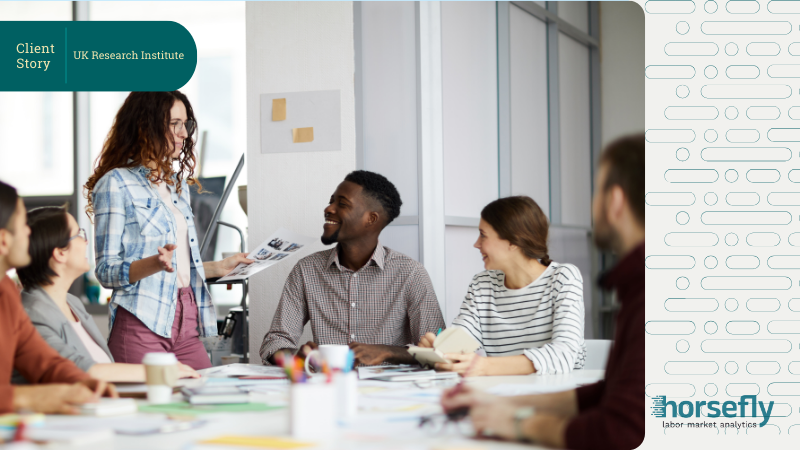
<point>258,442</point>
<point>278,109</point>
<point>302,134</point>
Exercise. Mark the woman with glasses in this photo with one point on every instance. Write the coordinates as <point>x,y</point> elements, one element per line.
<point>146,244</point>
<point>58,257</point>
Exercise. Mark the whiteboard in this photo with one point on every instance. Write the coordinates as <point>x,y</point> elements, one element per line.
<point>318,109</point>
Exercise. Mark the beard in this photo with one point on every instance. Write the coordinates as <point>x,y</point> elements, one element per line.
<point>605,238</point>
<point>332,239</point>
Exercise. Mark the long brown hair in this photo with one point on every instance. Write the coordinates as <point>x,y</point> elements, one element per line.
<point>139,136</point>
<point>519,220</point>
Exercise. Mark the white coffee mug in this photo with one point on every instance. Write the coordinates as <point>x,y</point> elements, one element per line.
<point>334,355</point>
<point>161,371</point>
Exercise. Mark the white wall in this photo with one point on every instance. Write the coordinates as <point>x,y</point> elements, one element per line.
<point>530,169</point>
<point>469,99</point>
<point>388,131</point>
<point>576,150</point>
<point>621,69</point>
<point>293,46</point>
<point>469,103</point>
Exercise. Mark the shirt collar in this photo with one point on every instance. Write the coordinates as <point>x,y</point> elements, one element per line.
<point>378,257</point>
<point>145,171</point>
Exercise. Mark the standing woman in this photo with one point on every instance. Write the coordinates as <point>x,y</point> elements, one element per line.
<point>145,239</point>
<point>524,309</point>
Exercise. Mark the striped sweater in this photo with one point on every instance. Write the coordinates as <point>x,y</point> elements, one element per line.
<point>543,321</point>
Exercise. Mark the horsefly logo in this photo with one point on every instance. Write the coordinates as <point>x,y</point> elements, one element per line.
<point>747,406</point>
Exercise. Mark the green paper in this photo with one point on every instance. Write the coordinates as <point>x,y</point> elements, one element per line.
<point>184,408</point>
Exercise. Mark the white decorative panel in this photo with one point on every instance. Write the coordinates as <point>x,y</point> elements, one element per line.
<point>469,95</point>
<point>576,153</point>
<point>463,262</point>
<point>530,171</point>
<point>403,238</point>
<point>389,96</point>
<point>576,14</point>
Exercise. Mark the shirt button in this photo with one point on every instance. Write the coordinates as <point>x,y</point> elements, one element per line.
<point>192,240</point>
<point>197,260</point>
<point>353,304</point>
<point>175,201</point>
<point>355,275</point>
<point>352,336</point>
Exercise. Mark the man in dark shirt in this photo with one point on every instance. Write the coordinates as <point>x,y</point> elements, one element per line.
<point>608,414</point>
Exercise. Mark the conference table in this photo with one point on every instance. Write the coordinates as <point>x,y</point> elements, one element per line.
<point>383,420</point>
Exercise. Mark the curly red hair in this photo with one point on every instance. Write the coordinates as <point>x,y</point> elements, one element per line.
<point>140,135</point>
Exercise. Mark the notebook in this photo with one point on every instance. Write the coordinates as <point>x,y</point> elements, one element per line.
<point>451,340</point>
<point>109,407</point>
<point>215,395</point>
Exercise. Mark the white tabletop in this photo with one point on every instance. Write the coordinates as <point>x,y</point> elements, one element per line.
<point>370,429</point>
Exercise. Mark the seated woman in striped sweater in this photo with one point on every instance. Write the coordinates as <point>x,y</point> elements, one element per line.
<point>524,309</point>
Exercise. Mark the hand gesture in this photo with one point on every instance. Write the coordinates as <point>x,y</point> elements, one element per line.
<point>464,364</point>
<point>493,418</point>
<point>165,257</point>
<point>185,371</point>
<point>101,388</point>
<point>427,340</point>
<point>307,348</point>
<point>370,354</point>
<point>230,263</point>
<point>52,398</point>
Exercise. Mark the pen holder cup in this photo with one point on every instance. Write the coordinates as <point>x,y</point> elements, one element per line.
<point>346,394</point>
<point>312,410</point>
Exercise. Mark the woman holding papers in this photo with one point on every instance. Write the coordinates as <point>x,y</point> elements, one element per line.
<point>525,310</point>
<point>145,240</point>
<point>58,257</point>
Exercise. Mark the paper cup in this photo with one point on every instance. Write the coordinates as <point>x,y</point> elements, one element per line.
<point>161,371</point>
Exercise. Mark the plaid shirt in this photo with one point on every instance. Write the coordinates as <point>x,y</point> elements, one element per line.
<point>131,221</point>
<point>389,301</point>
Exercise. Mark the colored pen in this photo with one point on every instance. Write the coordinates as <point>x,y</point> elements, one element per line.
<point>19,434</point>
<point>439,332</point>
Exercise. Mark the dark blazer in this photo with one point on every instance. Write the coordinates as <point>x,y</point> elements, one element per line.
<point>57,330</point>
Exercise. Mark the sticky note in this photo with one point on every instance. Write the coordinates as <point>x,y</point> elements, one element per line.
<point>278,109</point>
<point>302,134</point>
<point>258,442</point>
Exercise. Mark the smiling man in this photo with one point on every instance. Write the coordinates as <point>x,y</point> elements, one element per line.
<point>358,293</point>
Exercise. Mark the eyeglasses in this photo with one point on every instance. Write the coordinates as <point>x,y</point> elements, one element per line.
<point>178,125</point>
<point>81,234</point>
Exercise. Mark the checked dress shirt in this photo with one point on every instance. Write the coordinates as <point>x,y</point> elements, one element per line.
<point>389,301</point>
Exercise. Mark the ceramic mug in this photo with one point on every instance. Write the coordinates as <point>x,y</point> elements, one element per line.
<point>334,355</point>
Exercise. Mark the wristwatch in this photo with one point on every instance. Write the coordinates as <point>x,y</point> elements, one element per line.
<point>520,415</point>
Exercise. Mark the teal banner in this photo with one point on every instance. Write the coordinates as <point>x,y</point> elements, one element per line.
<point>95,56</point>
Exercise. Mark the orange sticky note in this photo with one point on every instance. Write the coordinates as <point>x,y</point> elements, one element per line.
<point>302,134</point>
<point>278,109</point>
